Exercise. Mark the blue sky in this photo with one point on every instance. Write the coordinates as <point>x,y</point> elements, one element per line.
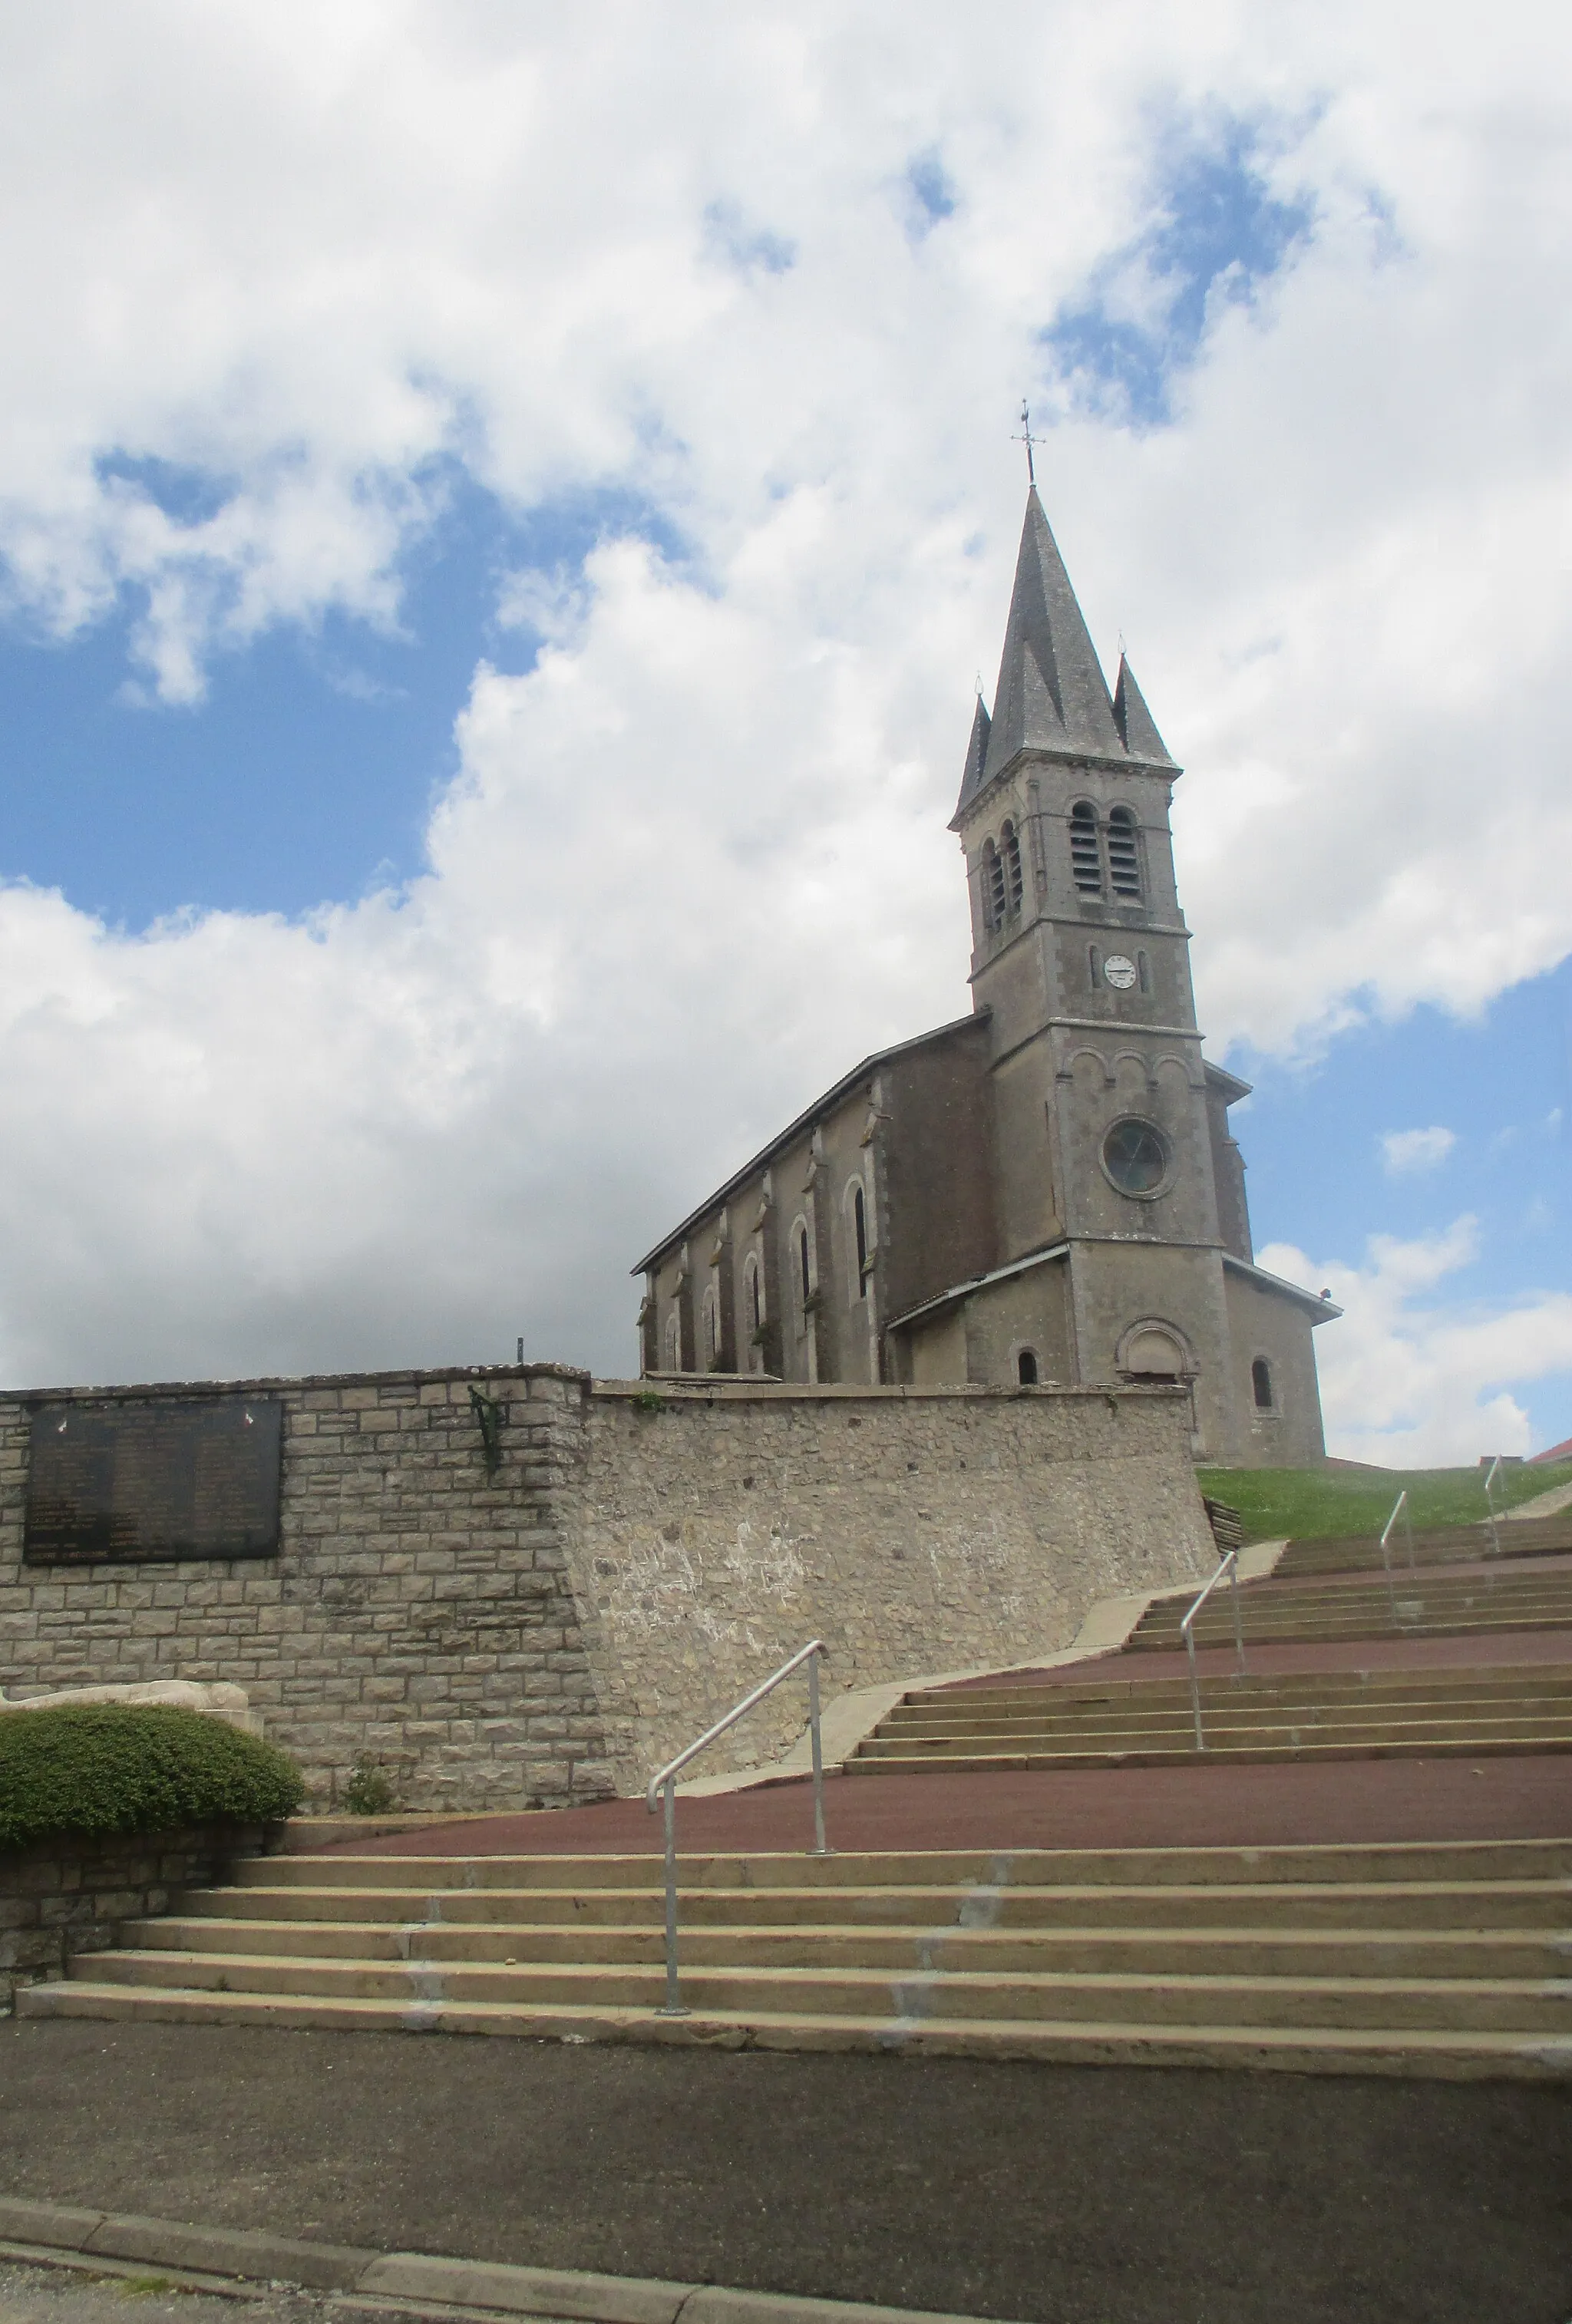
<point>547,596</point>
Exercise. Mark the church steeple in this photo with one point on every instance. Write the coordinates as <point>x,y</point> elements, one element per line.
<point>1051,694</point>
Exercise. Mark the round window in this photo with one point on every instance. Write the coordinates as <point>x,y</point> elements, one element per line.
<point>1135,1156</point>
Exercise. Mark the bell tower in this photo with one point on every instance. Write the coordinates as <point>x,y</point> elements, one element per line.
<point>1101,1124</point>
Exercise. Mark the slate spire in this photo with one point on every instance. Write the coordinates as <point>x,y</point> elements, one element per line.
<point>1137,727</point>
<point>976,756</point>
<point>1051,693</point>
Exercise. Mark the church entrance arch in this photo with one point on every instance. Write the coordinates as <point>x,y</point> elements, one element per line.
<point>1155,1352</point>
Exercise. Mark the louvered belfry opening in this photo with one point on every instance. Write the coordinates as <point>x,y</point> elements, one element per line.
<point>1123,853</point>
<point>1009,855</point>
<point>1086,858</point>
<point>993,888</point>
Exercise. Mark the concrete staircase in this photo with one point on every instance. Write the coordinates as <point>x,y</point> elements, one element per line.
<point>1433,1546</point>
<point>1506,1597</point>
<point>1112,1721</point>
<point>1441,1960</point>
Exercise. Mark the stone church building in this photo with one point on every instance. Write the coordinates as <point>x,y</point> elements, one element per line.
<point>1045,1191</point>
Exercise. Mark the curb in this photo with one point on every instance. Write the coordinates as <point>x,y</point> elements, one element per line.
<point>238,2260</point>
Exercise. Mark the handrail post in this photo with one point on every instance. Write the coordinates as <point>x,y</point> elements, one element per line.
<point>664,1783</point>
<point>673,2003</point>
<point>1398,1507</point>
<point>819,1849</point>
<point>1228,1564</point>
<point>1490,1505</point>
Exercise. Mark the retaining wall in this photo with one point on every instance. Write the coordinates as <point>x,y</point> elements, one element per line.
<point>549,1632</point>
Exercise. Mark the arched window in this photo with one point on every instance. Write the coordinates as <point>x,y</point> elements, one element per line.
<point>1086,857</point>
<point>1123,853</point>
<point>860,1232</point>
<point>993,887</point>
<point>674,1341</point>
<point>752,1295</point>
<point>1010,862</point>
<point>712,1324</point>
<point>1026,1367</point>
<point>804,1274</point>
<point>1261,1381</point>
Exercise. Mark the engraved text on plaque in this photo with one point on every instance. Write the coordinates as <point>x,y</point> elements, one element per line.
<point>138,1483</point>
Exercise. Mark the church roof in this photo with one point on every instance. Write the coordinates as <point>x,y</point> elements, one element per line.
<point>1319,1310</point>
<point>1051,694</point>
<point>807,1120</point>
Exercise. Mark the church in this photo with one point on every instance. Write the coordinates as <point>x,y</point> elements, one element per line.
<point>1044,1192</point>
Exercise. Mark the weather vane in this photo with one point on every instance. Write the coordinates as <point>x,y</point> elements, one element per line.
<point>1029,439</point>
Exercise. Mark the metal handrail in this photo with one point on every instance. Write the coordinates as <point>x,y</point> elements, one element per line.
<point>1230,1566</point>
<point>1400,1508</point>
<point>1490,1504</point>
<point>665,1780</point>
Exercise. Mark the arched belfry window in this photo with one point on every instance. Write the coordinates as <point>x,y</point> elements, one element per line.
<point>1010,862</point>
<point>1123,853</point>
<point>1085,856</point>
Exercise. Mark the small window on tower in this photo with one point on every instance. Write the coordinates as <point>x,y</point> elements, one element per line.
<point>1123,853</point>
<point>1086,857</point>
<point>1026,1367</point>
<point>1261,1381</point>
<point>993,887</point>
<point>1010,860</point>
<point>1094,965</point>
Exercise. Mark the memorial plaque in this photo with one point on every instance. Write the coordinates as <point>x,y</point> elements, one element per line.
<point>144,1483</point>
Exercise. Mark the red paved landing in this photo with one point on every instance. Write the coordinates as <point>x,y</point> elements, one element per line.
<point>1145,1807</point>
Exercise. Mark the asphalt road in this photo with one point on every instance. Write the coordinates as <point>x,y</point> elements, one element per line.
<point>1066,2194</point>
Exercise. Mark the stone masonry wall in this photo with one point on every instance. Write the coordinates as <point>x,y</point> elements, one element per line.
<point>73,1895</point>
<point>420,1613</point>
<point>913,1530</point>
<point>637,1562</point>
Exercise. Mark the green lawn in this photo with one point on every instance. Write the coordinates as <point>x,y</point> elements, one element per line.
<point>1305,1502</point>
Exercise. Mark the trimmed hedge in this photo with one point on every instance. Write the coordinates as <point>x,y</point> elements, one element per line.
<point>96,1768</point>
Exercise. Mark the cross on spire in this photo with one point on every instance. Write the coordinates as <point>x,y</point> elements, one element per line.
<point>1029,439</point>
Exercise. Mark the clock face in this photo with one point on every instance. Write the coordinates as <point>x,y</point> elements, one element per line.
<point>1119,972</point>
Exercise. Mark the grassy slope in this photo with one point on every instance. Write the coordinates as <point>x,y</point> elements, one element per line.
<point>1306,1503</point>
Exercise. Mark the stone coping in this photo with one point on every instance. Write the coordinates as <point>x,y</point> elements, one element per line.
<point>238,2260</point>
<point>292,1380</point>
<point>728,1388</point>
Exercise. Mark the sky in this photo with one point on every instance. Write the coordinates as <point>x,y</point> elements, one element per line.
<point>501,513</point>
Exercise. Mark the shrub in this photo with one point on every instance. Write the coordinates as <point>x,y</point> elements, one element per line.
<point>96,1768</point>
<point>368,1791</point>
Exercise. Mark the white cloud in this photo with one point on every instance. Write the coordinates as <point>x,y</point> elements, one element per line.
<point>1410,1381</point>
<point>695,862</point>
<point>1405,1152</point>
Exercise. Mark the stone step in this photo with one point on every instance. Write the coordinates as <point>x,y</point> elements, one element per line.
<point>1464,1904</point>
<point>1227,1711</point>
<point>1236,1951</point>
<point>1262,1631</point>
<point>1459,2005</point>
<point>1397,1685</point>
<point>1384,1860</point>
<point>1065,1752</point>
<point>1224,1721</point>
<point>1408,2051</point>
